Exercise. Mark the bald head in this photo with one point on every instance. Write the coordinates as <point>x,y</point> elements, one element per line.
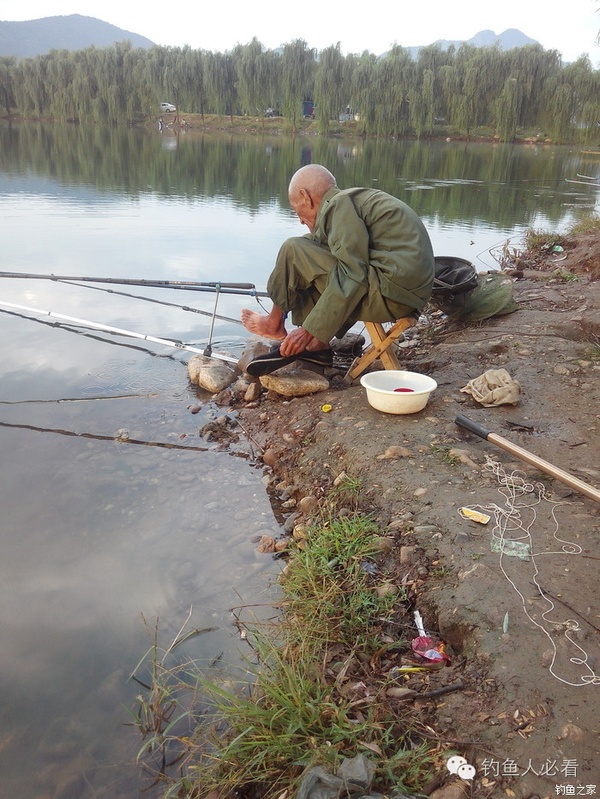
<point>307,188</point>
<point>314,179</point>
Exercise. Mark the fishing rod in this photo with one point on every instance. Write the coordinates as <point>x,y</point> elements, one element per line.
<point>248,289</point>
<point>528,457</point>
<point>207,351</point>
<point>154,300</point>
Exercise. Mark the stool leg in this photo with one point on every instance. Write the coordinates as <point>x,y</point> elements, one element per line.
<point>380,346</point>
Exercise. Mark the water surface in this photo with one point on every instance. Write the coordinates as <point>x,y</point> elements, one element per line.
<point>113,505</point>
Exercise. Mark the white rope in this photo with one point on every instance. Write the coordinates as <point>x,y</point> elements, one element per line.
<point>522,499</point>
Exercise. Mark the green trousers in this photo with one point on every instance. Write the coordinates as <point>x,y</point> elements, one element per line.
<point>300,277</point>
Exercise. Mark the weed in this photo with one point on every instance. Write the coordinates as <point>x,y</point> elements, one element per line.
<point>444,453</point>
<point>346,491</point>
<point>292,707</point>
<point>542,239</point>
<point>343,607</point>
<point>589,224</point>
<point>163,717</point>
<point>440,571</point>
<point>564,274</point>
<point>593,353</point>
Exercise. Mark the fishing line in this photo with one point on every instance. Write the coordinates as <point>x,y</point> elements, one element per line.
<point>510,519</point>
<point>81,331</point>
<point>122,332</point>
<point>117,438</point>
<point>78,399</point>
<point>150,299</point>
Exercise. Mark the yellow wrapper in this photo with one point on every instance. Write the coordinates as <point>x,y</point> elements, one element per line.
<point>474,515</point>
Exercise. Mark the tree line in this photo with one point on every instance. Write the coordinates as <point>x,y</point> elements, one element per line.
<point>466,90</point>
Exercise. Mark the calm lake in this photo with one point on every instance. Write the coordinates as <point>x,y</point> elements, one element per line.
<point>103,526</point>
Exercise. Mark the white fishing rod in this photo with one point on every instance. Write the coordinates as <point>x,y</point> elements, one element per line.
<point>207,351</point>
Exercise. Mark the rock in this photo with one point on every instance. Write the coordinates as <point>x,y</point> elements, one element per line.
<point>297,383</point>
<point>383,543</point>
<point>406,555</point>
<point>252,393</point>
<point>399,522</point>
<point>340,479</point>
<point>454,790</point>
<point>209,374</point>
<point>299,532</point>
<point>571,732</point>
<point>290,523</point>
<point>270,457</point>
<point>308,505</point>
<point>350,344</point>
<point>252,351</point>
<point>386,589</point>
<point>395,452</point>
<point>209,431</point>
<point>266,544</point>
<point>422,529</point>
<point>463,457</point>
<point>420,492</point>
<point>400,693</point>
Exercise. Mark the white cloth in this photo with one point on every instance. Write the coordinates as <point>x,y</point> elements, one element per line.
<point>494,387</point>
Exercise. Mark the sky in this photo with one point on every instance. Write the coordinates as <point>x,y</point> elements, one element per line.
<point>571,28</point>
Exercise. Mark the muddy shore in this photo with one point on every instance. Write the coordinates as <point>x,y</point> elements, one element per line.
<point>523,632</point>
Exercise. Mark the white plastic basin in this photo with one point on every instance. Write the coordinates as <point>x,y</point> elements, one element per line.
<point>397,391</point>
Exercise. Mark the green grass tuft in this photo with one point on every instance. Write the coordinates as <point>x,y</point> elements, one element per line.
<point>295,707</point>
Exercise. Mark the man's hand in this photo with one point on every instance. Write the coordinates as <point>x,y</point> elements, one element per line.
<point>299,340</point>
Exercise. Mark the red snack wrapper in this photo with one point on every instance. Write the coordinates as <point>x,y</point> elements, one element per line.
<point>430,649</point>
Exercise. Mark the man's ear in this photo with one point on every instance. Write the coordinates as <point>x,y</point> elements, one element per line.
<point>307,198</point>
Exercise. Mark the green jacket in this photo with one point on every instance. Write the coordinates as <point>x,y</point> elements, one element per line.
<point>381,247</point>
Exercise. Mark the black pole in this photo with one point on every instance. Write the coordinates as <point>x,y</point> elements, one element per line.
<point>223,288</point>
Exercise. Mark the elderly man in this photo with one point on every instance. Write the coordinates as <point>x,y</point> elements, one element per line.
<point>367,258</point>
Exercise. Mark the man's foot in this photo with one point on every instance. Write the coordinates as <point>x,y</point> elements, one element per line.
<point>265,326</point>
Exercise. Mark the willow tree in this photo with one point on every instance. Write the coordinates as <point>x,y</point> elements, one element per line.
<point>220,84</point>
<point>557,121</point>
<point>30,85</point>
<point>7,95</point>
<point>296,71</point>
<point>584,82</point>
<point>332,92</point>
<point>532,66</point>
<point>507,110</point>
<point>424,124</point>
<point>362,96</point>
<point>394,81</point>
<point>450,87</point>
<point>253,75</point>
<point>485,73</point>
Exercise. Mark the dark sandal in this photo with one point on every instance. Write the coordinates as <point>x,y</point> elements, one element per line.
<point>273,360</point>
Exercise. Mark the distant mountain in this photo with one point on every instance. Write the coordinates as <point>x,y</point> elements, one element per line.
<point>74,32</point>
<point>508,40</point>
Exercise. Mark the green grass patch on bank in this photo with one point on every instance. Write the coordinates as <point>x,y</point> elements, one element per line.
<point>311,694</point>
<point>538,239</point>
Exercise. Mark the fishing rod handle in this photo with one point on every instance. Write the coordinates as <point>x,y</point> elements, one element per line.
<point>472,427</point>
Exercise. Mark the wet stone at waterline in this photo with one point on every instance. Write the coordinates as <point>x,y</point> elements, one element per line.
<point>210,374</point>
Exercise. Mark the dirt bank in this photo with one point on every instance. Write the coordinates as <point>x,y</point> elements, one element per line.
<point>524,633</point>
